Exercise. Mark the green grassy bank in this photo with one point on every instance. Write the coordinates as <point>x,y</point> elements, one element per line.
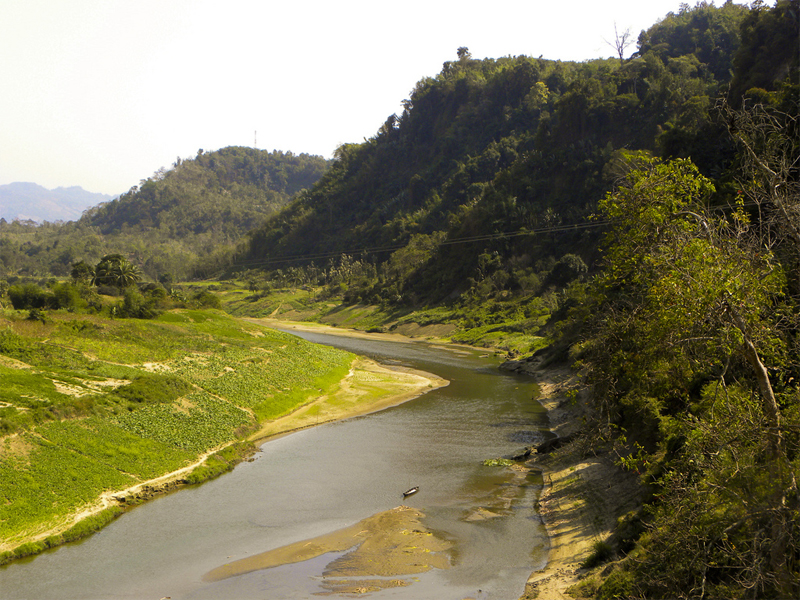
<point>90,406</point>
<point>514,324</point>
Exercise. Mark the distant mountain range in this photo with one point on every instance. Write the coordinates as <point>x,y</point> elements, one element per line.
<point>31,201</point>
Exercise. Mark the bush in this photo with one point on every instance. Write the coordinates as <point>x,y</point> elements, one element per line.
<point>69,296</point>
<point>619,584</point>
<point>37,315</point>
<point>136,306</point>
<point>601,552</point>
<point>30,295</point>
<point>154,388</point>
<point>571,266</point>
<point>107,290</point>
<point>206,299</point>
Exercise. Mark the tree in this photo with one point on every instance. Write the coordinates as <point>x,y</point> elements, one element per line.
<point>82,272</point>
<point>621,42</point>
<point>770,174</point>
<point>115,270</point>
<point>687,299</point>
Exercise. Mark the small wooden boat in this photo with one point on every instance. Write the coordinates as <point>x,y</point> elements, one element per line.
<point>411,492</point>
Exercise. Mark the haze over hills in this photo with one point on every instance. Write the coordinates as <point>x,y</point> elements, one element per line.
<point>30,201</point>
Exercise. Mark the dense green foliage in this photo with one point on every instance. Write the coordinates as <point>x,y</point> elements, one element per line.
<point>175,222</point>
<point>640,216</point>
<point>516,146</point>
<point>488,197</point>
<point>482,194</point>
<point>691,339</point>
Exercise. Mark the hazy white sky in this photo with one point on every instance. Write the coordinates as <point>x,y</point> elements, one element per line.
<point>101,93</point>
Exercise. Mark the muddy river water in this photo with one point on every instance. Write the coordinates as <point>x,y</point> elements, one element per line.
<point>329,478</point>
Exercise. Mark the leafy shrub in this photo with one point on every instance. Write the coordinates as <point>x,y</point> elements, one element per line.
<point>107,290</point>
<point>136,306</point>
<point>619,584</point>
<point>69,297</point>
<point>568,268</point>
<point>601,552</point>
<point>30,295</point>
<point>35,314</point>
<point>205,299</point>
<point>14,345</point>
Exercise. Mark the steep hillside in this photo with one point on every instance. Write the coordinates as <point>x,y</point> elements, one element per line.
<point>500,162</point>
<point>228,192</point>
<point>641,215</point>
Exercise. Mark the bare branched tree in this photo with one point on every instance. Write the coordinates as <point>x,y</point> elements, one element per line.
<point>771,169</point>
<point>621,42</point>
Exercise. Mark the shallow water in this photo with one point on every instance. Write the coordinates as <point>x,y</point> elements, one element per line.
<point>322,479</point>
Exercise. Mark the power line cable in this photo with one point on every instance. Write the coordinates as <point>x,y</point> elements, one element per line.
<point>447,242</point>
<point>294,258</point>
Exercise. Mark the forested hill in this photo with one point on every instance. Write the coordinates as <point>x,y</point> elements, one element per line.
<point>228,191</point>
<point>641,219</point>
<point>518,144</point>
<point>179,222</point>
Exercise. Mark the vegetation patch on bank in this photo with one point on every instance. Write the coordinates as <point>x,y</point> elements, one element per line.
<point>94,405</point>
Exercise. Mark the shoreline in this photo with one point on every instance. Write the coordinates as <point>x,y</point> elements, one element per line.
<point>578,505</point>
<point>584,492</point>
<point>346,403</point>
<point>583,495</point>
<point>388,386</point>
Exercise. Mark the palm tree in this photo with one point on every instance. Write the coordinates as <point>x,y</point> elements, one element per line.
<point>116,270</point>
<point>126,274</point>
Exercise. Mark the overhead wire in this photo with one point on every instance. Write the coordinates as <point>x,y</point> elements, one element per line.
<point>309,257</point>
<point>447,242</point>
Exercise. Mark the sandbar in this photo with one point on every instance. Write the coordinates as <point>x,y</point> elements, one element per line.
<point>385,547</point>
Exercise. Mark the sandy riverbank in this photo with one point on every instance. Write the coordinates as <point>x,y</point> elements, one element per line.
<point>584,494</point>
<point>368,387</point>
<point>385,549</point>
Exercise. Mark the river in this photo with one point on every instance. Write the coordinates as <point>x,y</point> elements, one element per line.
<point>322,479</point>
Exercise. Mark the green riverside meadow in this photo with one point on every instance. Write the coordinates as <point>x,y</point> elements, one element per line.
<point>92,405</point>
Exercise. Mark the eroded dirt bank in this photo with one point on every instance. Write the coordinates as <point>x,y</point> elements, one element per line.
<point>584,491</point>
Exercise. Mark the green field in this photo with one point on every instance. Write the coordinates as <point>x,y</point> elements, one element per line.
<point>91,405</point>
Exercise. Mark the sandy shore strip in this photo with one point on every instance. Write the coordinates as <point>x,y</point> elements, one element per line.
<point>330,330</point>
<point>386,550</point>
<point>582,497</point>
<point>584,494</point>
<point>368,387</point>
